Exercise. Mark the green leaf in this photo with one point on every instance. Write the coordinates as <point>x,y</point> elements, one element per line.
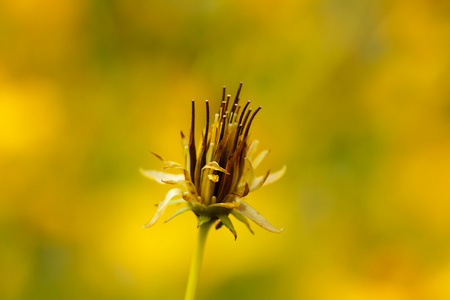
<point>241,218</point>
<point>227,222</point>
<point>178,212</point>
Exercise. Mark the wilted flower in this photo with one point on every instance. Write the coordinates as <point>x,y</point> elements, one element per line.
<point>219,172</point>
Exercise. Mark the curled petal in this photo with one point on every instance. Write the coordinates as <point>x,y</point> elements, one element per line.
<point>242,191</point>
<point>275,176</point>
<point>163,204</point>
<point>246,190</point>
<point>256,217</point>
<point>158,156</point>
<point>259,181</point>
<point>170,164</point>
<point>215,166</point>
<point>160,177</point>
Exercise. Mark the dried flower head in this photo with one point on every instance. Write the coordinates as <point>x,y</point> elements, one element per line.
<point>220,171</point>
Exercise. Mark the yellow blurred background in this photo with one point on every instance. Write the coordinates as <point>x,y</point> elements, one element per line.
<point>356,103</point>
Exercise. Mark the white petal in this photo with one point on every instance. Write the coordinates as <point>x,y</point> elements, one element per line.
<point>248,174</point>
<point>259,181</point>
<point>259,158</point>
<point>256,217</point>
<point>159,176</point>
<point>163,204</point>
<point>251,150</point>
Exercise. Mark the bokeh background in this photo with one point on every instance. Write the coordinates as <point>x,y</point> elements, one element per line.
<point>355,97</point>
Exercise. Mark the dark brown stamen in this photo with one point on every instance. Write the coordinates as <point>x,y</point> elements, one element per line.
<point>236,137</point>
<point>240,128</point>
<point>251,120</point>
<point>232,114</point>
<point>246,117</point>
<point>222,130</point>
<point>226,102</point>
<point>207,124</point>
<point>236,114</point>
<point>236,99</point>
<point>243,111</point>
<point>222,108</point>
<point>224,91</point>
<point>192,151</point>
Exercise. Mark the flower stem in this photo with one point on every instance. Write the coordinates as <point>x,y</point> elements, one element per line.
<point>197,261</point>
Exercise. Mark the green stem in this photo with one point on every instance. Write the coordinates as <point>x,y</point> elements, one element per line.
<point>197,261</point>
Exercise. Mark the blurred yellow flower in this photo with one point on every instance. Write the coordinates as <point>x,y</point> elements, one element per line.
<point>219,172</point>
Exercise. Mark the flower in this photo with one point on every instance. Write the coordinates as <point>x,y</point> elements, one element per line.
<point>219,172</point>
